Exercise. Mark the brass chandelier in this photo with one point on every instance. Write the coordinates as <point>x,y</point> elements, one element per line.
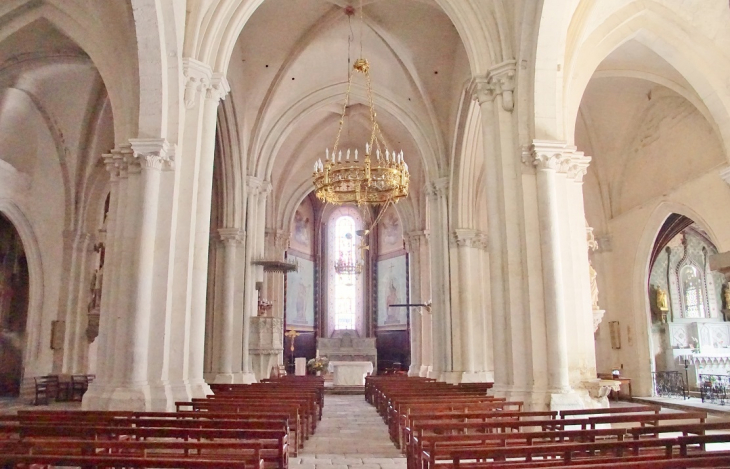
<point>380,177</point>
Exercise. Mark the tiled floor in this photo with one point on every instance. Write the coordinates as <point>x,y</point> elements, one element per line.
<point>351,435</point>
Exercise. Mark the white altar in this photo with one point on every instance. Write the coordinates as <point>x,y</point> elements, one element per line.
<point>350,373</point>
<point>347,346</point>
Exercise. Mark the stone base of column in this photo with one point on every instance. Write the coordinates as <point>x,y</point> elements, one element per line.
<point>224,378</point>
<point>245,378</point>
<point>96,397</point>
<point>435,374</point>
<point>134,397</point>
<point>414,370</point>
<point>424,371</point>
<point>165,395</point>
<point>199,389</point>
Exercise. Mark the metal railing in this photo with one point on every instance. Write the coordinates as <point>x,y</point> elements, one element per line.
<point>714,388</point>
<point>669,384</point>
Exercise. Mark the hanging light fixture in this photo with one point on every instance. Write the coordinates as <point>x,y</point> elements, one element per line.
<point>378,176</point>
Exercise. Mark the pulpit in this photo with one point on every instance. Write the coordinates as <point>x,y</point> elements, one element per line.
<point>346,346</point>
<point>266,347</point>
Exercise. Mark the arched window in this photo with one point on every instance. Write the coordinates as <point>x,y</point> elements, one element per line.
<point>692,289</point>
<point>345,288</point>
<point>345,296</point>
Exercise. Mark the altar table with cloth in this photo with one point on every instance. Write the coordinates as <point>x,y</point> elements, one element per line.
<point>350,373</point>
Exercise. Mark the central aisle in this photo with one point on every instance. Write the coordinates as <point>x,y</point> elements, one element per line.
<point>350,435</point>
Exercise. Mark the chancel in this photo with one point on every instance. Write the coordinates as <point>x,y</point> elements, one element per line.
<point>183,182</point>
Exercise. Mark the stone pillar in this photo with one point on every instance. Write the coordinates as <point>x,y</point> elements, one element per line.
<point>75,343</point>
<point>255,218</point>
<point>511,320</point>
<point>123,380</point>
<point>440,275</point>
<point>471,366</point>
<point>417,244</point>
<point>548,162</point>
<point>217,90</point>
<point>223,334</point>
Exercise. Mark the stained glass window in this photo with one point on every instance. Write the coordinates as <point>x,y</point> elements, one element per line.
<point>344,290</point>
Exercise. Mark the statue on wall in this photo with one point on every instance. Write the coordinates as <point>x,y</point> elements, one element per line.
<point>726,297</point>
<point>661,300</point>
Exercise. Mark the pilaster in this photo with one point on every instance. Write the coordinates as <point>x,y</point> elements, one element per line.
<point>437,193</point>
<point>421,343</point>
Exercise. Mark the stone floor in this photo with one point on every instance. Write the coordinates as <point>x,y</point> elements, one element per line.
<point>351,435</point>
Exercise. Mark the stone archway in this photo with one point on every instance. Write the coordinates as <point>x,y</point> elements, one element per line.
<point>14,296</point>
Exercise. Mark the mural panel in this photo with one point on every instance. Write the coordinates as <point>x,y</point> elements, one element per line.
<point>300,295</point>
<point>392,289</point>
<point>390,233</point>
<point>302,229</point>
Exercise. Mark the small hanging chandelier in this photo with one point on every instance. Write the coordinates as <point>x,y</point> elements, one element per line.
<point>380,177</point>
<point>347,266</point>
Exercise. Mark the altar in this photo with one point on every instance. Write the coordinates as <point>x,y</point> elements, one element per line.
<point>346,346</point>
<point>350,373</point>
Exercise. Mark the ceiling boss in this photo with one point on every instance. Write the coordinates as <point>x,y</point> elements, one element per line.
<point>379,176</point>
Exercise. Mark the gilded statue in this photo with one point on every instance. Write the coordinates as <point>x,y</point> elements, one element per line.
<point>661,300</point>
<point>726,296</point>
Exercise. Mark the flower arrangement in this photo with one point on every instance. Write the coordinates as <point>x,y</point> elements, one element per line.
<point>318,364</point>
<point>695,345</point>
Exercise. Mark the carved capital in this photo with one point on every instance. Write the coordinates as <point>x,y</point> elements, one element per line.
<point>415,240</point>
<point>219,87</point>
<point>277,240</point>
<point>231,236</point>
<point>465,237</point>
<point>256,186</point>
<point>551,155</point>
<point>578,166</point>
<point>481,90</point>
<point>117,161</point>
<point>438,188</point>
<point>198,78</point>
<point>502,78</point>
<point>153,153</point>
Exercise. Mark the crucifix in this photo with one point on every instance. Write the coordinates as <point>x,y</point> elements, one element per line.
<point>292,334</point>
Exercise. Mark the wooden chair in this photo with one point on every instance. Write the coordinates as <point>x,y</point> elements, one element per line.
<point>41,391</point>
<point>79,385</point>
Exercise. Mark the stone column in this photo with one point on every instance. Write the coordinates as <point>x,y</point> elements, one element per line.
<point>217,90</point>
<point>512,343</point>
<point>255,218</point>
<point>76,292</point>
<point>440,275</point>
<point>548,161</point>
<point>125,319</point>
<point>472,365</point>
<point>417,245</point>
<point>223,335</point>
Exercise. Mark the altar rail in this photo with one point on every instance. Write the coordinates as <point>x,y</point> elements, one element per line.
<point>670,384</point>
<point>714,388</point>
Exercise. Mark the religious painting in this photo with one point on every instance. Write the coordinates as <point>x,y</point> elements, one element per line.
<point>392,289</point>
<point>390,233</point>
<point>300,294</point>
<point>302,229</point>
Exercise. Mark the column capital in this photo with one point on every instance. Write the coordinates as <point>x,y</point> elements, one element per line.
<point>549,154</point>
<point>414,239</point>
<point>578,166</point>
<point>467,237</point>
<point>438,187</point>
<point>219,87</point>
<point>198,76</point>
<point>117,161</point>
<point>500,79</point>
<point>256,186</point>
<point>154,153</point>
<point>278,239</point>
<point>230,235</point>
